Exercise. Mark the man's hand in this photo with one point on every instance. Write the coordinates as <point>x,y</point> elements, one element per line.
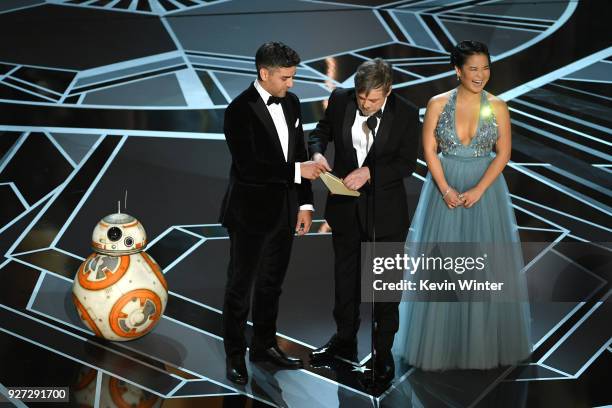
<point>304,221</point>
<point>319,158</point>
<point>311,170</point>
<point>357,178</point>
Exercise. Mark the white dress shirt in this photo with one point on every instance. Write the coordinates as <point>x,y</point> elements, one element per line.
<point>278,117</point>
<point>362,136</point>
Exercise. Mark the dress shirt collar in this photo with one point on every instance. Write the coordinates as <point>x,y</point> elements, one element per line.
<point>262,92</point>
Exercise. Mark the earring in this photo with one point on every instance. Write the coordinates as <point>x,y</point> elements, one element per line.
<point>458,78</point>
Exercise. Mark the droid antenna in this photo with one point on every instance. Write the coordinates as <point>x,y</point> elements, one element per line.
<point>125,201</point>
<point>119,207</point>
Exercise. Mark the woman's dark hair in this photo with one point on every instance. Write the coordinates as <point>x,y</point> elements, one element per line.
<point>274,55</point>
<point>464,49</point>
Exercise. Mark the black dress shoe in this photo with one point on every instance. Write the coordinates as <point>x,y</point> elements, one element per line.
<point>335,348</point>
<point>275,356</point>
<point>235,369</point>
<point>384,373</point>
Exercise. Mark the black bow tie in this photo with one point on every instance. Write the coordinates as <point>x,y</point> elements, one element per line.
<point>274,99</point>
<point>376,114</point>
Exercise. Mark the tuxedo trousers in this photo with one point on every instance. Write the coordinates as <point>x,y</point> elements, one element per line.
<point>258,263</point>
<point>347,280</point>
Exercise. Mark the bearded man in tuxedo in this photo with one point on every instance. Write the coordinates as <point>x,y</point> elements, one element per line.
<point>268,199</point>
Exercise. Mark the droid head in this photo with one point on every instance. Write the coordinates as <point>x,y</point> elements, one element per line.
<point>118,234</point>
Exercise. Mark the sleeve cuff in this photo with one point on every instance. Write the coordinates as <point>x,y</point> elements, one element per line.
<point>298,174</point>
<point>308,207</point>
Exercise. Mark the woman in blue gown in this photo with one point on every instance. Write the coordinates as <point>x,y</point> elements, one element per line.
<point>465,199</point>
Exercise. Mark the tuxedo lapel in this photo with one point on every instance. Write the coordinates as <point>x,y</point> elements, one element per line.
<point>386,123</point>
<point>290,118</point>
<point>347,124</point>
<point>262,113</point>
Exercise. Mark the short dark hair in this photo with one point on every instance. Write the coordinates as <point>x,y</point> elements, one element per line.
<point>464,49</point>
<point>373,74</point>
<point>274,55</point>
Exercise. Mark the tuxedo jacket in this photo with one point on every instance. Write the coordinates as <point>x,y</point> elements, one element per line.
<point>396,149</point>
<point>261,181</point>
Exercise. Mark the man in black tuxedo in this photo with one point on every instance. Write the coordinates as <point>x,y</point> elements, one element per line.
<point>268,199</point>
<point>395,143</point>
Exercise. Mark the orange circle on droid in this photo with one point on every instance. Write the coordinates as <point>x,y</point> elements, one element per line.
<point>85,379</point>
<point>110,277</point>
<point>117,314</point>
<point>85,316</point>
<point>117,390</point>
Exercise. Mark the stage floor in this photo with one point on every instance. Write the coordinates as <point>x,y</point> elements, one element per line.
<point>102,96</point>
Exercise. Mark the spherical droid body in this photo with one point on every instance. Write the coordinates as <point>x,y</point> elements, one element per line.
<point>119,291</point>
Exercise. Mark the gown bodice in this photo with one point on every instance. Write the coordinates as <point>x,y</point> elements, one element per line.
<point>486,130</point>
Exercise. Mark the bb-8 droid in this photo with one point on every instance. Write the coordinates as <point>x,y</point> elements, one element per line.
<point>119,291</point>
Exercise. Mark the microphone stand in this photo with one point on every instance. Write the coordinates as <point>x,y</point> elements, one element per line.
<point>371,123</point>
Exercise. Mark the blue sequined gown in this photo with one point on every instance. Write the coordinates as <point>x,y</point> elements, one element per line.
<point>466,335</point>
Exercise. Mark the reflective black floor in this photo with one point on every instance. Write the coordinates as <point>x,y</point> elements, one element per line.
<point>102,96</point>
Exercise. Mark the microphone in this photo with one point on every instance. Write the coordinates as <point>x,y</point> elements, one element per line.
<point>371,122</point>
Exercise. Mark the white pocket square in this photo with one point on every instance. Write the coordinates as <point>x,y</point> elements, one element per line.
<point>297,122</point>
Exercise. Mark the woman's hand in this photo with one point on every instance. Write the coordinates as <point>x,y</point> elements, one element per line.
<point>471,197</point>
<point>452,199</point>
